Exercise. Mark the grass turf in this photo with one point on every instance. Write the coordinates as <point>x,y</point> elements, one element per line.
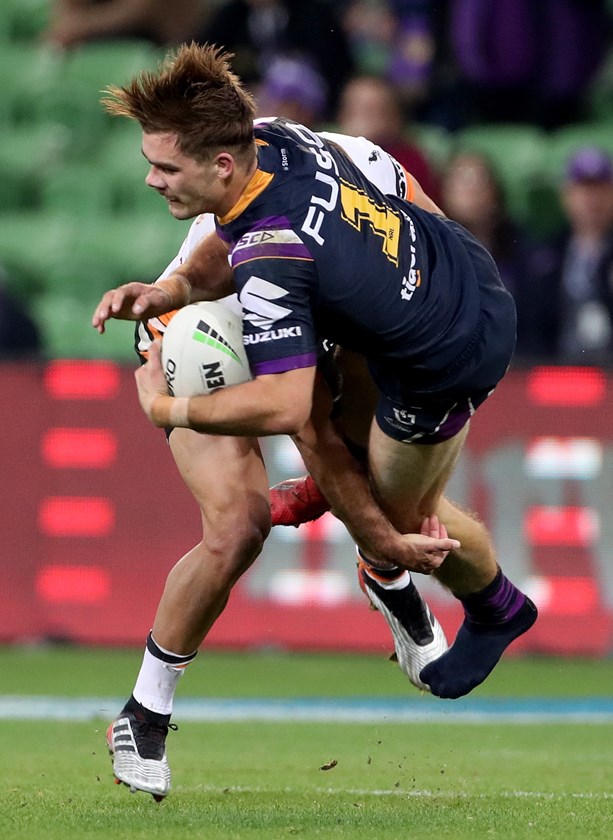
<point>246,780</point>
<point>240,781</point>
<point>74,672</point>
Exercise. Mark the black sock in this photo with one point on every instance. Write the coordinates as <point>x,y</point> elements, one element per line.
<point>386,572</point>
<point>140,712</point>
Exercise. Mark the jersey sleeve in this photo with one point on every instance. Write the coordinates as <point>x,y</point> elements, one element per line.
<point>275,276</point>
<point>381,168</point>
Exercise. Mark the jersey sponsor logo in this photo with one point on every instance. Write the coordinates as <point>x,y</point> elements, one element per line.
<point>266,237</point>
<point>254,238</point>
<point>404,417</point>
<point>273,335</point>
<point>257,298</point>
<point>401,178</point>
<point>412,280</point>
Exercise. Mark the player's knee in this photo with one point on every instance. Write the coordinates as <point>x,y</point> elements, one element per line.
<point>234,542</point>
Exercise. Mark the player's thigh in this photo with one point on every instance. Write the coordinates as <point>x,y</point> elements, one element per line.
<point>409,478</point>
<point>226,475</point>
<point>358,397</point>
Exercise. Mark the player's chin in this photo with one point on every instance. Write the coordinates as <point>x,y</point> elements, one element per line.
<point>179,211</point>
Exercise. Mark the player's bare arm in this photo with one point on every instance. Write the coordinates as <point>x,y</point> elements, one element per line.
<point>207,271</point>
<point>205,276</point>
<point>138,301</point>
<point>275,404</point>
<point>422,200</point>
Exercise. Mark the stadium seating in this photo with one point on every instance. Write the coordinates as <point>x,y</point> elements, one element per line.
<point>23,20</point>
<point>65,322</point>
<point>565,140</point>
<point>516,152</point>
<point>77,217</point>
<point>27,154</point>
<point>28,75</point>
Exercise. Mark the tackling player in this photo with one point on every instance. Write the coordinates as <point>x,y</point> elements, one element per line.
<point>233,530</point>
<point>318,251</point>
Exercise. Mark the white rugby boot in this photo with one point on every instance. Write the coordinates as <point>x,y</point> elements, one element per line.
<point>418,637</point>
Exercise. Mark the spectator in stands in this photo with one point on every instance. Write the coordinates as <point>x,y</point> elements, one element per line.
<point>472,194</point>
<point>75,22</point>
<point>527,60</point>
<point>370,107</point>
<point>570,282</point>
<point>258,30</point>
<point>398,40</point>
<point>292,88</point>
<point>19,336</point>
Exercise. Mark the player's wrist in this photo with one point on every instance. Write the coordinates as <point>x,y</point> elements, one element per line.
<point>169,411</point>
<point>178,290</point>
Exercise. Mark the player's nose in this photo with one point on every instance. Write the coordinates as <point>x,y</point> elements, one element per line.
<point>153,179</point>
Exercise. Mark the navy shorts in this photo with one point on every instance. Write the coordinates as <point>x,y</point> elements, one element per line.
<point>430,407</point>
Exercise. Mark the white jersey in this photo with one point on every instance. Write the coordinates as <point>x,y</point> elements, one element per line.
<point>378,166</point>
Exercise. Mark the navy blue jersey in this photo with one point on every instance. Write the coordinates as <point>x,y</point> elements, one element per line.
<point>319,252</point>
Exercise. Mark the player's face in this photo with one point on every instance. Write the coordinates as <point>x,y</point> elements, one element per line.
<point>189,186</point>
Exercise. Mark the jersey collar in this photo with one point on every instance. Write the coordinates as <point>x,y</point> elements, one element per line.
<point>257,184</point>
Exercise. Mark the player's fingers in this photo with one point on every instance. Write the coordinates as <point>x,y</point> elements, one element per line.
<point>425,529</point>
<point>102,311</point>
<point>435,526</point>
<point>154,357</point>
<point>118,299</point>
<point>143,301</point>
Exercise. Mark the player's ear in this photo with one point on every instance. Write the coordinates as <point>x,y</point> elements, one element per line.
<point>225,164</point>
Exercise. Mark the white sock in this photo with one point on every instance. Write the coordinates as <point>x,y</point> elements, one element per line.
<point>401,578</point>
<point>158,677</point>
<point>400,582</point>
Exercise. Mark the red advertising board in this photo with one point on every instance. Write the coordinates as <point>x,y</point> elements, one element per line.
<point>94,516</point>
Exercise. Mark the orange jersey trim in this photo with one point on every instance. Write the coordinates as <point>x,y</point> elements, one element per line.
<point>258,183</point>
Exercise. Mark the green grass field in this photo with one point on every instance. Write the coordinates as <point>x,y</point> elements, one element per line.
<point>264,780</point>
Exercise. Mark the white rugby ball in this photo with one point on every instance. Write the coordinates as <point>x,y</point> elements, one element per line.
<point>202,350</point>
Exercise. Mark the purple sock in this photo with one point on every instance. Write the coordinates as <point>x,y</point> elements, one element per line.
<point>498,602</point>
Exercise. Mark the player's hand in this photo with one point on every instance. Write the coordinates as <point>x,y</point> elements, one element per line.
<point>423,552</point>
<point>150,380</point>
<point>131,302</point>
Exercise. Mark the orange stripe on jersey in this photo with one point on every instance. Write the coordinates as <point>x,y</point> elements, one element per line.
<point>258,183</point>
<point>410,186</point>
<point>167,317</point>
<point>153,332</point>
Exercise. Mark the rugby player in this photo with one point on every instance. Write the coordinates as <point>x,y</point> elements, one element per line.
<point>389,279</point>
<point>235,525</point>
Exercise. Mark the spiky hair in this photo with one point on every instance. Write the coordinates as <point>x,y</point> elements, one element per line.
<point>193,94</point>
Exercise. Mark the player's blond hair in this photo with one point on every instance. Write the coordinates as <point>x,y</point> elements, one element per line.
<point>194,95</point>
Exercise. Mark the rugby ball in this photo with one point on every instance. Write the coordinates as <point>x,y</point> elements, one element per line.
<point>202,350</point>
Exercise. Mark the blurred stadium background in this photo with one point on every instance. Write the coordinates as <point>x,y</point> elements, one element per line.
<point>94,514</point>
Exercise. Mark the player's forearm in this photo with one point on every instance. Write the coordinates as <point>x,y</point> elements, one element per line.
<point>207,271</point>
<point>345,485</point>
<point>202,414</point>
<point>252,409</point>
